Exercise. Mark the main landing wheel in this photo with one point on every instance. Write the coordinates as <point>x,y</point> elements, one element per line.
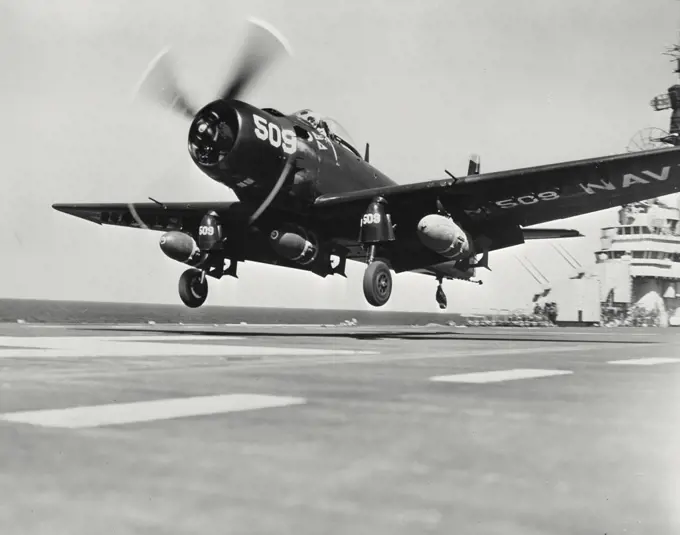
<point>377,283</point>
<point>193,288</point>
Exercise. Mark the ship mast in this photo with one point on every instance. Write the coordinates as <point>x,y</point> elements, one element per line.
<point>671,100</point>
<point>674,52</point>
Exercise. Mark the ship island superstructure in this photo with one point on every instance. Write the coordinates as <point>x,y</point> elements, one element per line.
<point>638,264</point>
<point>637,267</point>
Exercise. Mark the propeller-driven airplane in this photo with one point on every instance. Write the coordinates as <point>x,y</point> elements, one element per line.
<point>309,200</point>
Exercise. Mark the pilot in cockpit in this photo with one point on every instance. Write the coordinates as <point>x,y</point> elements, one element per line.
<point>323,126</point>
<point>315,120</point>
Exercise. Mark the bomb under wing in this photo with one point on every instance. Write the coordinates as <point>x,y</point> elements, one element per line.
<point>441,234</point>
<point>295,244</point>
<point>179,246</point>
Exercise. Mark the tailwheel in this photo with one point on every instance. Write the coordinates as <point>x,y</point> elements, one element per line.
<point>377,283</point>
<point>193,288</point>
<point>440,296</point>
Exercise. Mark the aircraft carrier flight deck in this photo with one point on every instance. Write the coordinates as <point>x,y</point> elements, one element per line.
<point>292,429</point>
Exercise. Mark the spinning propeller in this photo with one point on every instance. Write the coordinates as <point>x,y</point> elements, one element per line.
<point>262,45</point>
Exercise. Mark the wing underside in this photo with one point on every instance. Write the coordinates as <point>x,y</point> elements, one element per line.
<point>152,216</point>
<point>500,209</point>
<point>482,204</point>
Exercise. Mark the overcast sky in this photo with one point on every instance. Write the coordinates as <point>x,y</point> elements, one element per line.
<point>521,83</point>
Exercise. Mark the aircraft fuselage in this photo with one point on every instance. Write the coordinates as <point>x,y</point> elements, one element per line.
<point>247,149</point>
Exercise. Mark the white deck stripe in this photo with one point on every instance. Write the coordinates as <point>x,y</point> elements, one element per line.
<point>148,411</point>
<point>498,376</point>
<point>337,358</point>
<point>170,350</point>
<point>69,341</point>
<point>143,346</point>
<point>650,361</point>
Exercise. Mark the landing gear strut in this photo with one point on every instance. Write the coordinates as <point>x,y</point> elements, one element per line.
<point>193,288</point>
<point>440,296</point>
<point>376,230</point>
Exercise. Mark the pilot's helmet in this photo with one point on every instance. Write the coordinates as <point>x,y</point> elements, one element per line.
<point>311,117</point>
<point>313,120</point>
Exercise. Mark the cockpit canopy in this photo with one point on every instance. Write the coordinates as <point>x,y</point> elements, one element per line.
<point>326,125</point>
<point>310,117</point>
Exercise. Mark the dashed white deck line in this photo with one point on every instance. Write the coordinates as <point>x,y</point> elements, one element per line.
<point>649,361</point>
<point>69,341</point>
<point>498,376</point>
<point>313,357</point>
<point>146,346</point>
<point>148,411</point>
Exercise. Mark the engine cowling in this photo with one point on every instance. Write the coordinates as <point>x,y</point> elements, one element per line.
<point>440,234</point>
<point>180,246</point>
<point>296,244</point>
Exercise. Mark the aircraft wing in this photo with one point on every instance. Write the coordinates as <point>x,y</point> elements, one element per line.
<point>522,197</point>
<point>549,233</point>
<point>155,216</point>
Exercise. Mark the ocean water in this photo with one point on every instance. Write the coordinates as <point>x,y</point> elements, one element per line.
<point>80,312</point>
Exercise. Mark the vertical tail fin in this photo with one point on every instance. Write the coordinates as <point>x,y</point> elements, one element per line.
<point>474,165</point>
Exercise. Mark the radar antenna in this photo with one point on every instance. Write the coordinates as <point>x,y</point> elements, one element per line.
<point>655,138</point>
<point>649,138</point>
<point>674,52</point>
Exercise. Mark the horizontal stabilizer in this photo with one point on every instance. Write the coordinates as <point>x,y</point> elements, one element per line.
<point>550,233</point>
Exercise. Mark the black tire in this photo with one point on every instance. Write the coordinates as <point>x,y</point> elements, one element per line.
<point>377,283</point>
<point>192,292</point>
